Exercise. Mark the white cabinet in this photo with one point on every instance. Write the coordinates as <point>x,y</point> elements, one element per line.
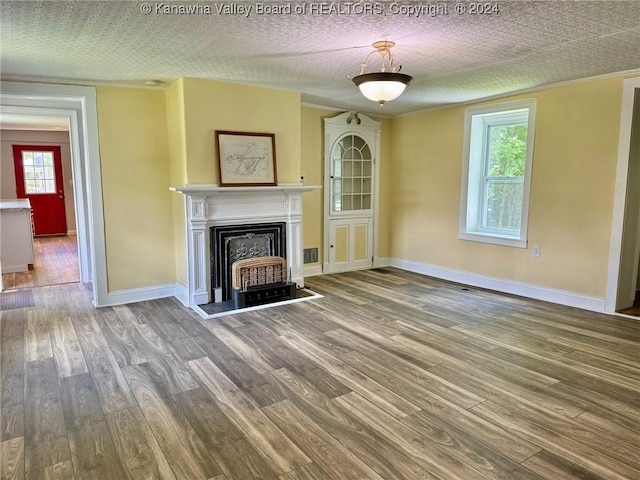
<point>352,143</point>
<point>16,235</point>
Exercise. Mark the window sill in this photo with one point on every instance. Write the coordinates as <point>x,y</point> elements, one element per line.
<point>493,239</point>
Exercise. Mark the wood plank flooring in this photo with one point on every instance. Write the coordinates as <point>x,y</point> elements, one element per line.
<point>391,375</point>
<point>56,262</point>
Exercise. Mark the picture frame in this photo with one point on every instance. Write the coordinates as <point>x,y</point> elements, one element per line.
<point>246,159</point>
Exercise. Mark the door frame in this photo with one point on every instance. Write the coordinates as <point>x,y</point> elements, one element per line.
<point>625,244</point>
<point>78,105</point>
<point>350,122</point>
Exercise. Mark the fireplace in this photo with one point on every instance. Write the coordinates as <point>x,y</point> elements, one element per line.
<point>210,206</point>
<point>230,243</point>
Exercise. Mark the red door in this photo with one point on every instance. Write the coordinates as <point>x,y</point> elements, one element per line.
<point>39,178</point>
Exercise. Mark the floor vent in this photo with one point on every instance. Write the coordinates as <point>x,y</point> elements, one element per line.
<point>18,299</point>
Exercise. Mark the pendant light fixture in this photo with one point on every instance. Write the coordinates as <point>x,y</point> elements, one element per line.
<point>388,83</point>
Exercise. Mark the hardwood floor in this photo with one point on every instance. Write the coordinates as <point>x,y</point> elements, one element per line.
<point>56,262</point>
<point>390,376</point>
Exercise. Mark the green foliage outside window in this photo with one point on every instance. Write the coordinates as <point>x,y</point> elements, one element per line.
<point>507,151</point>
<point>505,176</point>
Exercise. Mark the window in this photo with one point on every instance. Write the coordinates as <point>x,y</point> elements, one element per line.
<point>39,176</point>
<point>498,149</point>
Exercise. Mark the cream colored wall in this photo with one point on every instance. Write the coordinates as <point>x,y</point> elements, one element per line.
<point>312,167</point>
<point>134,156</point>
<point>174,96</point>
<point>387,167</point>
<point>8,138</point>
<point>211,105</point>
<point>574,164</point>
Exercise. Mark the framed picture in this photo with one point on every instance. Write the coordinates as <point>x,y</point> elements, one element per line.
<point>246,159</point>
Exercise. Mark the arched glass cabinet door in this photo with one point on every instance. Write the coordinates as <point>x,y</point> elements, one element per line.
<point>351,174</point>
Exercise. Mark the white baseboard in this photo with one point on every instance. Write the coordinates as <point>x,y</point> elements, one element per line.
<point>312,271</point>
<point>182,294</point>
<point>317,269</point>
<point>552,295</point>
<point>379,262</point>
<point>138,295</point>
<point>71,232</point>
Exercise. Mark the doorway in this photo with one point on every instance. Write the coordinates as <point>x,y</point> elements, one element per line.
<point>78,106</point>
<point>41,169</point>
<point>625,237</point>
<point>633,194</point>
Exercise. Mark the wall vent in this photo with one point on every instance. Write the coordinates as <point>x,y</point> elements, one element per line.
<point>310,255</point>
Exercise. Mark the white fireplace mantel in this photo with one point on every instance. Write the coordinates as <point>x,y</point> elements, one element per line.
<point>207,206</point>
<point>199,189</point>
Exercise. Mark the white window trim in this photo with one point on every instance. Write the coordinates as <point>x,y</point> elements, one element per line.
<point>466,231</point>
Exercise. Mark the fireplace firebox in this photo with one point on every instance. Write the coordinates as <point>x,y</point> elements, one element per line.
<point>230,243</point>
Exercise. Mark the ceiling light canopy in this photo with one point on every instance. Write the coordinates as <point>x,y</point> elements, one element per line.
<point>388,83</point>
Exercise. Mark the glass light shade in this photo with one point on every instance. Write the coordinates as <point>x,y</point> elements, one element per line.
<point>382,87</point>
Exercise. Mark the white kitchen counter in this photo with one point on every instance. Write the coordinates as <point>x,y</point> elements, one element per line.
<point>16,204</point>
<point>16,235</point>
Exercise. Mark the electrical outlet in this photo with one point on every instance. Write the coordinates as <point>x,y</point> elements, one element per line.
<point>536,250</point>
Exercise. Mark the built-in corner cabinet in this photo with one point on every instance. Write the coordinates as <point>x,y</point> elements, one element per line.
<point>16,235</point>
<point>352,143</point>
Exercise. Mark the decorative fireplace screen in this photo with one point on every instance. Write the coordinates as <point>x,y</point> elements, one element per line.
<point>261,280</point>
<point>258,272</point>
<point>231,243</point>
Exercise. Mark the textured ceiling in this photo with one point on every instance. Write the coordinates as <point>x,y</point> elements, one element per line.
<point>453,57</point>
